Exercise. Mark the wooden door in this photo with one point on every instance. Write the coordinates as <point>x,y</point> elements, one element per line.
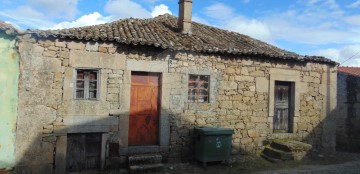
<point>282,102</point>
<point>144,109</point>
<point>83,152</point>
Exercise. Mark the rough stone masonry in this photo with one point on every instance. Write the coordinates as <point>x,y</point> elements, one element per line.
<point>241,98</point>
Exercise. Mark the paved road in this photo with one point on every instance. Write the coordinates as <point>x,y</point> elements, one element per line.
<point>345,168</point>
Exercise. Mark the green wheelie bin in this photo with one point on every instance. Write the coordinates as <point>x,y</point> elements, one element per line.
<point>212,144</point>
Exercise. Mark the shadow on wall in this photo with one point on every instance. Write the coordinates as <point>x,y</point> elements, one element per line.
<point>84,146</point>
<point>348,137</point>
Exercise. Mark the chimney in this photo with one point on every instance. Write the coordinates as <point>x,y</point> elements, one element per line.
<point>185,13</point>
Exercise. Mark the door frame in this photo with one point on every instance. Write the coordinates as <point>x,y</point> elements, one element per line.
<point>158,103</point>
<point>125,91</point>
<point>290,123</point>
<point>298,86</point>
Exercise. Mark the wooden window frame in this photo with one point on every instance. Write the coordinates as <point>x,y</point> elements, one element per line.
<point>86,80</point>
<point>198,89</point>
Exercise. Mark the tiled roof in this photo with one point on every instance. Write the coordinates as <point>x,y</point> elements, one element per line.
<point>162,32</point>
<point>349,70</point>
<point>8,28</point>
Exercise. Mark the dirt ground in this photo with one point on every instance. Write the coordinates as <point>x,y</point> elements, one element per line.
<point>255,164</point>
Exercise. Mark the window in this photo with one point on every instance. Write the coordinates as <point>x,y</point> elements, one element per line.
<point>86,84</point>
<point>198,88</point>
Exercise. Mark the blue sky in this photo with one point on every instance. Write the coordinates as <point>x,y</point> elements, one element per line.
<point>330,28</point>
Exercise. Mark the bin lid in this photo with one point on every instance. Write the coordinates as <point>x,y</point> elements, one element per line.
<point>213,131</point>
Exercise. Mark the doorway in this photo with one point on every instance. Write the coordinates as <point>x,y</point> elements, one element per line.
<point>144,109</point>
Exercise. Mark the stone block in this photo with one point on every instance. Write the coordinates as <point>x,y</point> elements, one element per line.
<point>53,48</point>
<point>113,97</point>
<point>91,120</point>
<point>96,60</point>
<point>257,73</point>
<point>230,70</point>
<point>226,104</point>
<point>103,49</point>
<point>249,94</point>
<point>252,133</point>
<point>228,85</point>
<point>112,50</point>
<point>85,108</point>
<point>244,71</point>
<point>149,66</point>
<point>60,44</point>
<point>37,50</point>
<point>92,46</point>
<point>113,90</point>
<point>240,105</point>
<point>220,66</point>
<point>258,119</point>
<point>262,84</point>
<point>64,54</point>
<point>237,97</point>
<point>37,96</point>
<point>245,141</point>
<point>247,62</point>
<point>46,64</point>
<point>75,45</point>
<point>244,78</point>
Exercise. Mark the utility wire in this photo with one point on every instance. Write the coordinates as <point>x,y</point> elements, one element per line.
<point>350,57</point>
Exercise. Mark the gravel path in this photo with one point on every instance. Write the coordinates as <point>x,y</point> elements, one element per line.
<point>345,168</point>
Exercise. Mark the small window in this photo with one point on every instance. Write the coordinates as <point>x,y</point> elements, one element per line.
<point>86,84</point>
<point>198,88</point>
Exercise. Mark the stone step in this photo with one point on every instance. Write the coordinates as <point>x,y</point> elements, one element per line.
<point>274,160</point>
<point>277,154</point>
<point>290,145</point>
<point>143,159</point>
<point>146,168</point>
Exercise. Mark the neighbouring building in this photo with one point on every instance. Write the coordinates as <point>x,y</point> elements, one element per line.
<point>90,96</point>
<point>348,116</point>
<point>9,75</point>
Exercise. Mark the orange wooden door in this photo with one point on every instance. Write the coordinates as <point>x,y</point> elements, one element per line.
<point>144,111</point>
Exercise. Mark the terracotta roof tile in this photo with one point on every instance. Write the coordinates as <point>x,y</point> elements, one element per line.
<point>349,70</point>
<point>162,32</point>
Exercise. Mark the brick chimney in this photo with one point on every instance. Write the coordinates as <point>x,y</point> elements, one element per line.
<point>185,15</point>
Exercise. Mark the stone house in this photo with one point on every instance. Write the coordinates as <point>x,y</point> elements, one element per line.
<point>90,96</point>
<point>9,75</point>
<point>348,116</point>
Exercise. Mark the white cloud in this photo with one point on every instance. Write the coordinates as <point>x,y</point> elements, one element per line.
<point>219,11</point>
<point>347,56</point>
<point>59,9</point>
<point>201,20</point>
<point>86,20</point>
<point>97,18</point>
<point>251,27</point>
<point>294,31</point>
<point>26,15</point>
<point>353,20</point>
<point>229,20</point>
<point>355,4</point>
<point>126,9</point>
<point>160,10</point>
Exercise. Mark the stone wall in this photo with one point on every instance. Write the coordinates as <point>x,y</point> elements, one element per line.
<point>348,115</point>
<point>241,98</point>
<point>242,91</point>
